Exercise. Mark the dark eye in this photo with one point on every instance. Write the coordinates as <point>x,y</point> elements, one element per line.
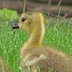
<point>23,19</point>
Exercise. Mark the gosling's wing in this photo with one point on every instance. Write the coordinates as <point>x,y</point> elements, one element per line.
<point>46,58</point>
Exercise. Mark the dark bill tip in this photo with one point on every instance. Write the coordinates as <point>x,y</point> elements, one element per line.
<point>16,26</point>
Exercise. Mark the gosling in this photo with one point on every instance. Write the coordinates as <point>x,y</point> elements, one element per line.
<point>34,55</point>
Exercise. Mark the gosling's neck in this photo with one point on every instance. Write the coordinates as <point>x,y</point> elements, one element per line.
<point>36,37</point>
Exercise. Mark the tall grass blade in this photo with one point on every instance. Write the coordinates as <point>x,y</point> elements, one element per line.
<point>24,6</point>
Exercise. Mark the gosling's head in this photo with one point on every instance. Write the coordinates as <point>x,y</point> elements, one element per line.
<point>29,21</point>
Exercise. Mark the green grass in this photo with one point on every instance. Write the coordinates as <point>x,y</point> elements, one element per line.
<point>58,35</point>
<point>6,14</point>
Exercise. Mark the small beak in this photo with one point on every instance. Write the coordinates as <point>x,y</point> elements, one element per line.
<point>16,26</point>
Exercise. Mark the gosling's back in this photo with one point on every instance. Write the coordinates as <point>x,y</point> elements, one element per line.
<point>46,59</point>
